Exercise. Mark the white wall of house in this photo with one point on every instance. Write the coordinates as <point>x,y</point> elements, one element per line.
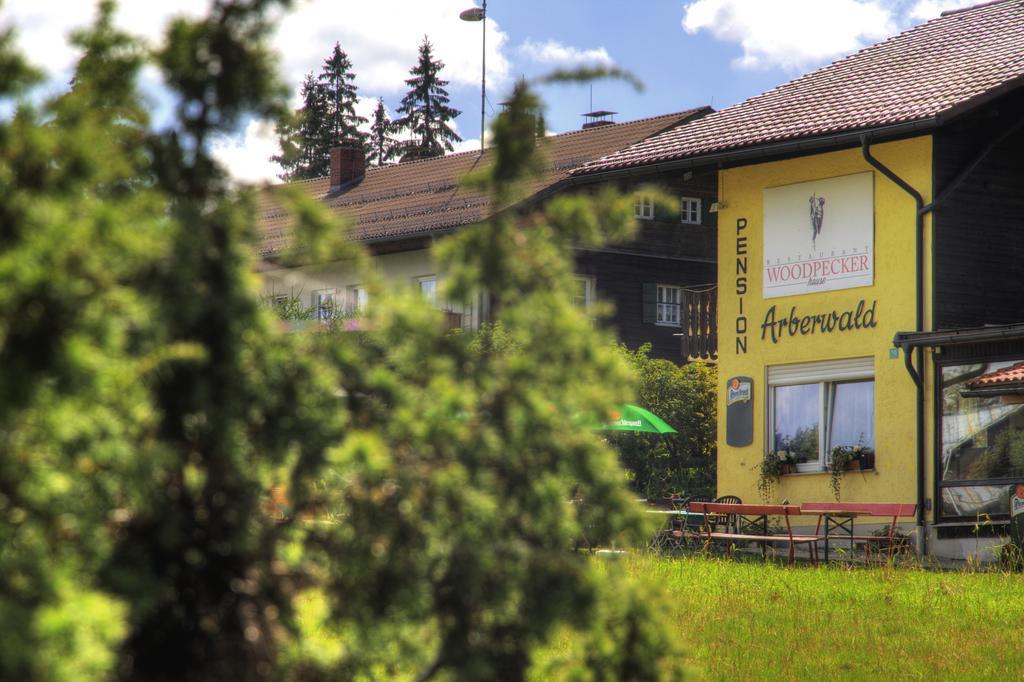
<point>395,270</point>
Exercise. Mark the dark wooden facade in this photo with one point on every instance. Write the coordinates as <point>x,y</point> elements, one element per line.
<point>665,251</point>
<point>620,280</point>
<point>979,227</point>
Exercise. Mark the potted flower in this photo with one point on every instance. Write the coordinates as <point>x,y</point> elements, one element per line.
<point>775,464</point>
<point>845,458</point>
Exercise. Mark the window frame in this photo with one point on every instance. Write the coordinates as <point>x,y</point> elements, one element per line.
<point>939,485</point>
<point>589,290</point>
<point>688,205</point>
<point>354,294</point>
<point>823,373</point>
<point>643,206</point>
<point>661,305</point>
<point>432,297</point>
<point>318,307</point>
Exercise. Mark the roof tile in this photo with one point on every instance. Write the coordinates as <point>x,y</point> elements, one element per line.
<point>921,73</point>
<point>1008,375</point>
<point>419,197</point>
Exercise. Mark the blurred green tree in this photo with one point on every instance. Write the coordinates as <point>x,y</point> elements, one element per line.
<point>189,493</point>
<point>77,227</point>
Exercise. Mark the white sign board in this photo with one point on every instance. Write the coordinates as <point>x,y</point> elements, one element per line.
<point>819,236</point>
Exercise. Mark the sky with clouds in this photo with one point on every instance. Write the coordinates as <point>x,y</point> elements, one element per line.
<point>687,52</point>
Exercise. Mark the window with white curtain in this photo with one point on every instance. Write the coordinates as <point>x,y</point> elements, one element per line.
<point>815,407</point>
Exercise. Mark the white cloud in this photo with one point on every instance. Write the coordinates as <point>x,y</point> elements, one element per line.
<point>797,35</point>
<point>554,52</point>
<point>472,145</point>
<point>247,155</point>
<point>382,48</point>
<point>44,27</point>
<point>365,106</point>
<point>924,10</point>
<point>791,34</point>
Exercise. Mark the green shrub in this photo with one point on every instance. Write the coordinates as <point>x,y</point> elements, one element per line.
<point>684,396</point>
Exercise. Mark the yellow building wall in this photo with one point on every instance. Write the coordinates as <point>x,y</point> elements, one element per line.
<point>741,196</point>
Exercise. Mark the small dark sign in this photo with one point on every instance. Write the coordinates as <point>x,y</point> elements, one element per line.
<point>1017,515</point>
<point>739,412</point>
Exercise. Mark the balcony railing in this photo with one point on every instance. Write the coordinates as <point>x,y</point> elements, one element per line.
<point>698,317</point>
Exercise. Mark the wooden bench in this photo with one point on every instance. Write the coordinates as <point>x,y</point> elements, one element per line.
<point>711,510</point>
<point>825,510</point>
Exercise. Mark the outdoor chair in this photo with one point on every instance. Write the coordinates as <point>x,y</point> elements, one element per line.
<point>686,529</point>
<point>730,522</point>
<point>680,532</point>
<point>678,502</point>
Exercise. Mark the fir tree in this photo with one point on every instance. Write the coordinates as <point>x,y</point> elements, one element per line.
<point>382,146</point>
<point>327,117</point>
<point>339,92</point>
<point>425,111</point>
<point>301,152</point>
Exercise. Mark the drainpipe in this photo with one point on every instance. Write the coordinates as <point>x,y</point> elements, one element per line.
<point>917,374</point>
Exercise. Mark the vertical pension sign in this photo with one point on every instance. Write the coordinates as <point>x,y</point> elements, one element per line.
<point>819,236</point>
<point>741,284</point>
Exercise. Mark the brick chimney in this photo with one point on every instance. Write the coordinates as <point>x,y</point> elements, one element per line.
<point>348,162</point>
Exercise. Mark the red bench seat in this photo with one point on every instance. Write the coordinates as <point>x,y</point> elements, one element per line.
<point>709,509</point>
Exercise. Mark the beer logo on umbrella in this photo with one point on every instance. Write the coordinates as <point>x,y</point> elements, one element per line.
<point>635,418</point>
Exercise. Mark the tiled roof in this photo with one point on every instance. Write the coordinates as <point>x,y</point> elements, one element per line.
<point>419,197</point>
<point>930,70</point>
<point>1008,375</point>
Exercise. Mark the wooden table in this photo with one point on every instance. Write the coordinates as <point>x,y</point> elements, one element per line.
<point>848,511</point>
<point>760,512</point>
<point>830,515</point>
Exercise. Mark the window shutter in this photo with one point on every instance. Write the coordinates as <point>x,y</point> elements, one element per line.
<point>830,370</point>
<point>650,303</point>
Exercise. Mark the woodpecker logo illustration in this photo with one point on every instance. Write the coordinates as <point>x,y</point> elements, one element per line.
<point>817,216</point>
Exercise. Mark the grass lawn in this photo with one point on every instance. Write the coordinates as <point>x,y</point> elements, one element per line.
<point>745,620</point>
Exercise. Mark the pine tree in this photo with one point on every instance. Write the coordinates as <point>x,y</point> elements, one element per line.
<point>425,109</point>
<point>301,152</point>
<point>382,146</point>
<point>339,92</point>
<point>327,117</point>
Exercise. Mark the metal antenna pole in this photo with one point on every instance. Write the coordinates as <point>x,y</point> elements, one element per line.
<point>483,77</point>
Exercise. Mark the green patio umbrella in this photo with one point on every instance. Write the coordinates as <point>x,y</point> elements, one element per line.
<point>634,418</point>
